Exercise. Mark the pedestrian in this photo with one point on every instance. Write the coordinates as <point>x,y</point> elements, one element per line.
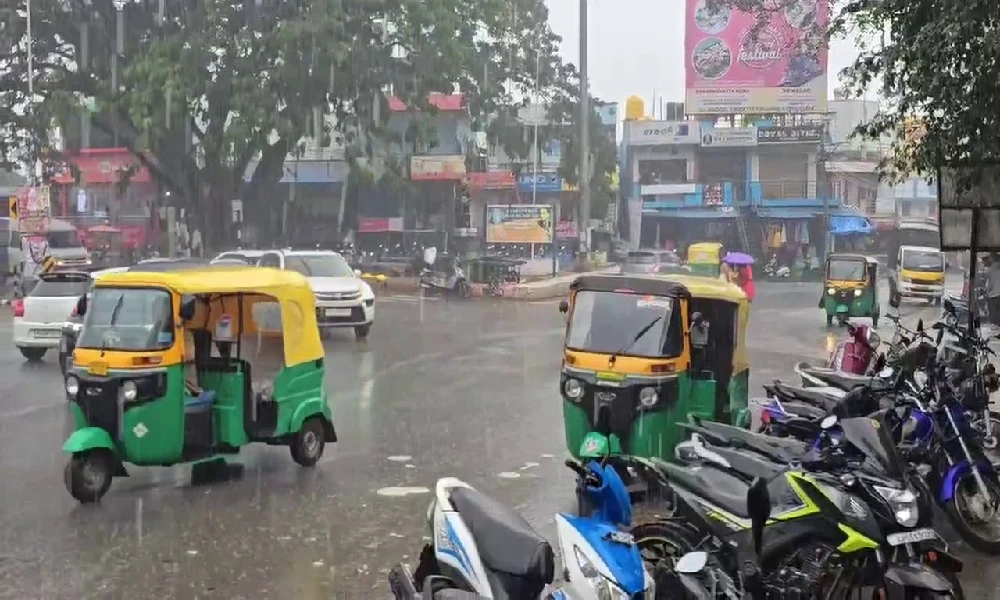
<point>745,281</point>
<point>993,281</point>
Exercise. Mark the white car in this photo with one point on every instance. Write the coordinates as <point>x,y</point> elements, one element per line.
<point>343,299</point>
<point>40,317</point>
<point>250,257</point>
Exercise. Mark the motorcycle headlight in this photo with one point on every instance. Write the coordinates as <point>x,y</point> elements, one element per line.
<point>831,291</point>
<point>903,504</point>
<point>72,385</point>
<point>129,391</point>
<point>857,293</point>
<point>573,389</point>
<point>604,589</point>
<point>648,397</point>
<point>846,503</point>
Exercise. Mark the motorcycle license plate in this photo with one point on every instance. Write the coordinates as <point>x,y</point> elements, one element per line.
<point>911,537</point>
<point>842,309</point>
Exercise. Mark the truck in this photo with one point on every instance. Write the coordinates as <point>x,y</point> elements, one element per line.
<point>916,262</point>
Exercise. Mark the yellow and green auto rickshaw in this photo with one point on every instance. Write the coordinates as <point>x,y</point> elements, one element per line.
<point>642,353</point>
<point>705,258</point>
<point>189,366</point>
<point>850,288</point>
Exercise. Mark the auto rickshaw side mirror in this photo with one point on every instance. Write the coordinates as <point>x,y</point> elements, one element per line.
<point>187,309</point>
<point>564,306</point>
<point>81,305</point>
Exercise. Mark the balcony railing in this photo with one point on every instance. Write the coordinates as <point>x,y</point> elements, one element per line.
<point>786,189</point>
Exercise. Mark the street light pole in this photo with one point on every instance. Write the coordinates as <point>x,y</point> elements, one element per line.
<point>584,136</point>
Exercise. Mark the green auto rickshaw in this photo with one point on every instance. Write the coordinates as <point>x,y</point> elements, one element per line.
<point>850,288</point>
<point>189,366</point>
<point>642,353</point>
<point>705,258</point>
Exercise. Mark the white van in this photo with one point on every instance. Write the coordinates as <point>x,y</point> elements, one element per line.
<point>62,239</point>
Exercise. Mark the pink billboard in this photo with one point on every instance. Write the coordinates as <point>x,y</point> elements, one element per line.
<point>734,65</point>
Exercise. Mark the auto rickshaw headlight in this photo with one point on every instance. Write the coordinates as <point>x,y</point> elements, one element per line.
<point>831,291</point>
<point>857,293</point>
<point>648,397</point>
<point>72,385</point>
<point>573,389</point>
<point>129,391</point>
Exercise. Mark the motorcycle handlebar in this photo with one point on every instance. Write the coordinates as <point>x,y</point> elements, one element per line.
<point>589,478</point>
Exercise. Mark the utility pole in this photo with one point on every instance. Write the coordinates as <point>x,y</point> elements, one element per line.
<point>584,137</point>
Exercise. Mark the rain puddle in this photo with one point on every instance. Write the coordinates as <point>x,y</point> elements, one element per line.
<point>398,492</point>
<point>402,458</point>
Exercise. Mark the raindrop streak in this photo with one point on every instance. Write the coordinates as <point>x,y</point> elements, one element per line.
<point>400,458</point>
<point>508,475</point>
<point>398,492</point>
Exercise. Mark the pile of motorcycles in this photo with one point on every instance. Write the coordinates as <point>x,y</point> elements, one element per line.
<point>835,495</point>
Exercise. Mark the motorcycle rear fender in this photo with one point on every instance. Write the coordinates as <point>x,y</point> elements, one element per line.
<point>957,472</point>
<point>455,547</point>
<point>915,576</point>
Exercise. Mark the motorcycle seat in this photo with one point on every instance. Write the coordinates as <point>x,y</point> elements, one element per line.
<point>751,465</point>
<point>779,448</point>
<point>725,490</point>
<point>793,392</point>
<point>806,410</point>
<point>846,381</point>
<point>505,541</point>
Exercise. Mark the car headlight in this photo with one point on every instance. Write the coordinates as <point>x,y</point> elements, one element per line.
<point>604,589</point>
<point>648,397</point>
<point>857,293</point>
<point>129,391</point>
<point>831,291</point>
<point>72,385</point>
<point>573,389</point>
<point>903,503</point>
<point>366,290</point>
<point>846,503</point>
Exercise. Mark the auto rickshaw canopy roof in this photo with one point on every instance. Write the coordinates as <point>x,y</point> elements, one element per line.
<point>289,289</point>
<point>705,252</point>
<point>846,256</point>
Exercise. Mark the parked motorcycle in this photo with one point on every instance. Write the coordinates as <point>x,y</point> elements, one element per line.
<point>855,354</point>
<point>773,271</point>
<point>446,276</point>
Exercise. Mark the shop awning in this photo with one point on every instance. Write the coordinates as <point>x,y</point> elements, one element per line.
<point>689,213</point>
<point>850,223</point>
<point>788,212</point>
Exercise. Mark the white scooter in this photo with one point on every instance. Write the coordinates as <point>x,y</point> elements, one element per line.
<point>483,550</point>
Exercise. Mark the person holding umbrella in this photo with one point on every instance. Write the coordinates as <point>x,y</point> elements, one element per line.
<point>740,264</point>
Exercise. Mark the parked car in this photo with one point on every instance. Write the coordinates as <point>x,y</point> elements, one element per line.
<point>40,316</point>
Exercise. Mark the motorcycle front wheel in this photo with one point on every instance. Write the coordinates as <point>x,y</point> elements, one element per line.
<point>976,519</point>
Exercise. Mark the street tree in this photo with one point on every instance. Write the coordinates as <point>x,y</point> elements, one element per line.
<point>207,90</point>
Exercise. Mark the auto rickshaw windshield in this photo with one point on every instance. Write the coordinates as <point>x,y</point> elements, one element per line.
<point>613,322</point>
<point>845,270</point>
<point>128,319</point>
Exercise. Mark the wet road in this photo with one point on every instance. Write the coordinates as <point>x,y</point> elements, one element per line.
<point>465,389</point>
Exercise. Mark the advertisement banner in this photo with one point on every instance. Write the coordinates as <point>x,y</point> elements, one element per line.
<point>34,210</point>
<point>729,137</point>
<point>493,180</point>
<point>379,224</point>
<point>790,134</point>
<point>654,133</point>
<point>519,224</point>
<point>734,66</point>
<point>437,168</point>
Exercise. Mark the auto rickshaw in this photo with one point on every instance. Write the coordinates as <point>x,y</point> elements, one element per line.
<point>850,288</point>
<point>705,258</point>
<point>189,366</point>
<point>643,352</point>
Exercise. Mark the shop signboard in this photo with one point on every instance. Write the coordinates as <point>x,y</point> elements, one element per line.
<point>791,134</point>
<point>379,224</point>
<point>661,133</point>
<point>546,183</point>
<point>437,168</point>
<point>519,224</point>
<point>735,65</point>
<point>729,137</point>
<point>493,180</point>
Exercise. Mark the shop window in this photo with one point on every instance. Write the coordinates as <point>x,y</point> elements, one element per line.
<point>839,190</point>
<point>655,172</point>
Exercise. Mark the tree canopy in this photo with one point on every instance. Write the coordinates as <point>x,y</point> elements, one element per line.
<point>935,64</point>
<point>242,82</point>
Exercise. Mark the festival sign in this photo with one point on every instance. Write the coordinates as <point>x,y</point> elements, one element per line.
<point>519,224</point>
<point>735,66</point>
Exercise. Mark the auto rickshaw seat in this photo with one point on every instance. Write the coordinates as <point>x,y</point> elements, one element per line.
<point>506,542</point>
<point>725,490</point>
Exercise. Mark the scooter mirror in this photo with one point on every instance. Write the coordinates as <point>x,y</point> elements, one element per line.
<point>759,507</point>
<point>828,422</point>
<point>563,306</point>
<point>691,563</point>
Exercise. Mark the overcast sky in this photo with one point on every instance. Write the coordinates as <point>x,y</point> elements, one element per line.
<point>637,46</point>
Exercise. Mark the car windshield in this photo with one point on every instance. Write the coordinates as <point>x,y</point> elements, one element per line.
<point>128,319</point>
<point>63,239</point>
<point>59,288</point>
<point>919,260</point>
<point>870,436</point>
<point>608,322</point>
<point>846,270</point>
<point>319,265</point>
<point>641,258</point>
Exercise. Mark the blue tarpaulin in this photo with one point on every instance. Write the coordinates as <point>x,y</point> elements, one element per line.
<point>850,223</point>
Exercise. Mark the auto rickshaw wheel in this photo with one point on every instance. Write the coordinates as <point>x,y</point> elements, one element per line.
<point>307,447</point>
<point>88,475</point>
